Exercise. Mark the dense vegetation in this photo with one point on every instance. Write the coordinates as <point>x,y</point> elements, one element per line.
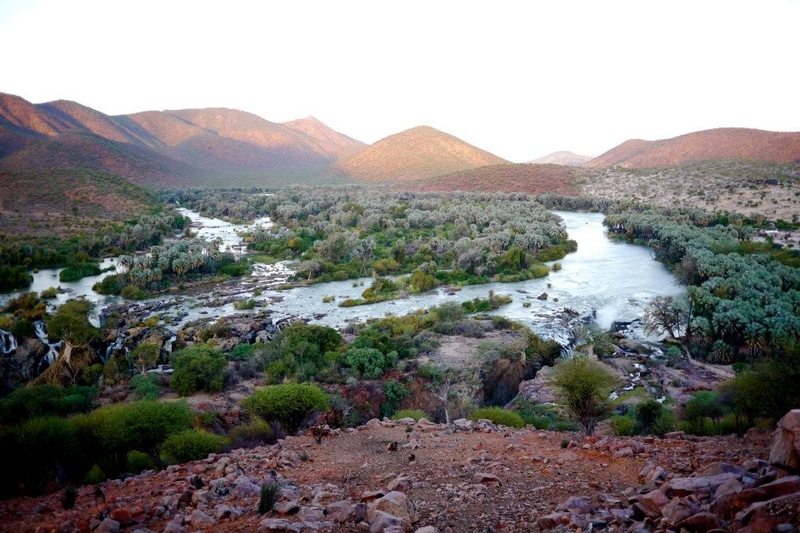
<point>743,296</point>
<point>344,233</point>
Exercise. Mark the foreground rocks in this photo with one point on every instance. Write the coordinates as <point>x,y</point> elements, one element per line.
<point>422,477</point>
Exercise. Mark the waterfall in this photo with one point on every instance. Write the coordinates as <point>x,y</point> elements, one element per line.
<point>53,348</point>
<point>8,344</point>
<point>117,346</point>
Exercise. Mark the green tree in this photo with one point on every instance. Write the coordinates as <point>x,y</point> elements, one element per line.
<point>287,404</point>
<point>701,408</point>
<point>145,356</point>
<point>191,445</point>
<point>71,323</point>
<point>198,368</point>
<point>583,386</point>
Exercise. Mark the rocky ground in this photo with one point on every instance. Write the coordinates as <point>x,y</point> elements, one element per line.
<point>405,476</point>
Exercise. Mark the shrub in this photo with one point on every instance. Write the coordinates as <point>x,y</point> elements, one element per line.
<point>394,391</point>
<point>370,363</point>
<point>269,494</point>
<point>244,304</point>
<point>582,385</point>
<point>145,387</point>
<point>498,416</point>
<point>71,323</point>
<point>255,433</point>
<point>191,445</point>
<point>287,404</point>
<point>139,462</point>
<point>198,367</point>
<point>622,425</point>
<point>416,414</point>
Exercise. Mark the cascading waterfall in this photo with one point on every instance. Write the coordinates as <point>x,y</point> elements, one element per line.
<point>8,343</point>
<point>54,348</point>
<point>117,346</point>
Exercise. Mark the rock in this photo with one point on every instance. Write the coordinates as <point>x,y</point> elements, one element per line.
<point>701,523</point>
<point>649,505</point>
<point>728,505</point>
<point>245,488</point>
<point>382,522</point>
<point>341,511</point>
<point>623,452</point>
<point>553,520</point>
<point>677,510</point>
<point>175,526</point>
<point>108,525</point>
<point>400,483</point>
<point>200,520</point>
<point>121,515</point>
<point>683,486</point>
<point>278,524</point>
<point>768,515</point>
<point>427,529</point>
<point>286,508</point>
<point>577,504</point>
<point>395,504</point>
<point>485,479</point>
<point>785,450</point>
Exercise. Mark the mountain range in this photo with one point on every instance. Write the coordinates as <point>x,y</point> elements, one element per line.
<point>227,147</point>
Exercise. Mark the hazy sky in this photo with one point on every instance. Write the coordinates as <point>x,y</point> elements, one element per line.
<point>520,78</point>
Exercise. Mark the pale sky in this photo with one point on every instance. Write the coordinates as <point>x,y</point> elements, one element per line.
<point>520,79</point>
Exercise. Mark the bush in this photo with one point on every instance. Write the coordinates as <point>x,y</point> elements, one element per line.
<point>198,367</point>
<point>622,425</point>
<point>370,363</point>
<point>416,414</point>
<point>145,387</point>
<point>255,433</point>
<point>71,323</point>
<point>498,416</point>
<point>138,462</point>
<point>582,385</point>
<point>269,494</point>
<point>394,392</point>
<point>287,404</point>
<point>191,445</point>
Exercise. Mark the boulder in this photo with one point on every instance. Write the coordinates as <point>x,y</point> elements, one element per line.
<point>649,505</point>
<point>785,450</point>
<point>395,504</point>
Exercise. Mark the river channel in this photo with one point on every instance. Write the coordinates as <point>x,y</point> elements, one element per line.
<point>605,279</point>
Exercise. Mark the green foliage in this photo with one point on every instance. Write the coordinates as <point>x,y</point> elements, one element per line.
<point>370,363</point>
<point>650,418</point>
<point>79,271</point>
<point>198,368</point>
<point>303,352</point>
<point>287,404</point>
<point>242,352</point>
<point>701,409</point>
<point>482,305</point>
<point>268,497</point>
<point>416,414</point>
<point>49,294</point>
<point>71,323</point>
<point>138,462</point>
<point>498,416</point>
<point>421,281</point>
<point>394,392</point>
<point>110,432</point>
<point>622,425</point>
<point>34,401</point>
<point>191,445</point>
<point>145,356</point>
<point>145,387</point>
<point>583,387</point>
<point>244,304</point>
<point>255,433</point>
<point>542,416</point>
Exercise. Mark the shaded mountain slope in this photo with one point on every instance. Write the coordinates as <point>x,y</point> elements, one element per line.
<point>418,153</point>
<point>715,144</point>
<point>521,178</point>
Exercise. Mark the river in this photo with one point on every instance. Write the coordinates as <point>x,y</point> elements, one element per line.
<point>610,280</point>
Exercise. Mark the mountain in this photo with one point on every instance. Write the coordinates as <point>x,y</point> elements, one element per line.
<point>164,148</point>
<point>418,153</point>
<point>509,178</point>
<point>715,144</point>
<point>562,157</point>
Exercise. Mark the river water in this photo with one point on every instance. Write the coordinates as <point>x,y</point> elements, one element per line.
<point>609,280</point>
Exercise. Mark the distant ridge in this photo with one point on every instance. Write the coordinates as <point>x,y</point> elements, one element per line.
<point>163,148</point>
<point>714,144</point>
<point>417,153</point>
<point>562,157</point>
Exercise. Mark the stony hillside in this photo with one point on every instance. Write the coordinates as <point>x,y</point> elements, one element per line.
<point>422,477</point>
<point>419,153</point>
<point>715,144</point>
